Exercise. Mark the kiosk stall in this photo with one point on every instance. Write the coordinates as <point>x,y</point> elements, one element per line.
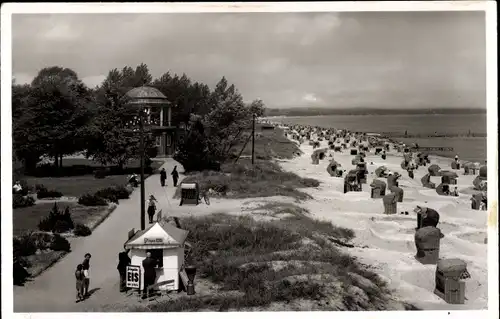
<point>166,244</point>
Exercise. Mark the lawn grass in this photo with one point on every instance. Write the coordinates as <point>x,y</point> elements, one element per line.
<point>244,180</point>
<point>263,263</point>
<point>241,179</point>
<point>70,161</point>
<point>269,144</point>
<point>76,186</point>
<point>27,218</point>
<point>41,262</point>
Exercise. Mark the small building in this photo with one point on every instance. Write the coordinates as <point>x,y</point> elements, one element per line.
<point>159,118</point>
<point>165,242</point>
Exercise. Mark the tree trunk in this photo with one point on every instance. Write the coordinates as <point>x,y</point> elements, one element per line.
<point>56,161</point>
<point>120,166</point>
<point>29,165</point>
<point>60,161</point>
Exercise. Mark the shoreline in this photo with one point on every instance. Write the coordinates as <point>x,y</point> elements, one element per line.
<point>400,136</point>
<point>390,237</point>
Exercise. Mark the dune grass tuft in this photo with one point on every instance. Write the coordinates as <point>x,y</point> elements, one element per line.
<point>258,263</point>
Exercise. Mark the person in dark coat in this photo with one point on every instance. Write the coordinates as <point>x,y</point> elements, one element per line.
<point>123,262</point>
<point>175,175</point>
<point>148,265</point>
<point>163,177</point>
<point>86,273</point>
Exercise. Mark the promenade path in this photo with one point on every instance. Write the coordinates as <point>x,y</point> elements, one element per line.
<point>54,290</point>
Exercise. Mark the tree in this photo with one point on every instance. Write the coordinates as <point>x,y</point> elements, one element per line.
<point>23,136</point>
<point>257,107</point>
<point>51,116</point>
<point>227,119</point>
<point>193,152</point>
<point>211,136</point>
<point>112,140</point>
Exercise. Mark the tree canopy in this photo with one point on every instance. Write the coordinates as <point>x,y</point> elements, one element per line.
<point>57,115</point>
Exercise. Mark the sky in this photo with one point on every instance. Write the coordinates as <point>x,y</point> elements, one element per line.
<point>334,60</point>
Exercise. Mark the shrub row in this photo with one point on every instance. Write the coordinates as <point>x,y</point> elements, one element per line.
<point>105,195</point>
<point>48,170</point>
<point>92,200</point>
<point>28,244</point>
<point>19,201</point>
<point>57,221</point>
<point>61,222</point>
<point>43,192</point>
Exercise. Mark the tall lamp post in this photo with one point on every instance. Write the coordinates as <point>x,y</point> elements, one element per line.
<point>141,98</point>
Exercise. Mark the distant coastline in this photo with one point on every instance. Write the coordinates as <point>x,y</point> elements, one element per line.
<point>290,112</point>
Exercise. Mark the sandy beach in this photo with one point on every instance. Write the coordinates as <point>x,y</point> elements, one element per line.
<point>386,242</point>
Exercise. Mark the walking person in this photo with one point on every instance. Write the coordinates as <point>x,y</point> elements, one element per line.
<point>79,282</point>
<point>123,261</point>
<point>86,274</point>
<point>163,177</point>
<point>175,175</point>
<point>151,208</point>
<point>148,265</point>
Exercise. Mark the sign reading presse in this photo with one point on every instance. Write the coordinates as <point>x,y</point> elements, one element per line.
<point>153,241</point>
<point>133,279</point>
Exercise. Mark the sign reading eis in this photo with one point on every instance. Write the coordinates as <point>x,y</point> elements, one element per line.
<point>133,277</point>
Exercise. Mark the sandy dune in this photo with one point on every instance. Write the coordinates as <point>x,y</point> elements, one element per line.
<point>386,242</point>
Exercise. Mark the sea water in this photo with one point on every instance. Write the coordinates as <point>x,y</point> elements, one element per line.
<point>464,133</point>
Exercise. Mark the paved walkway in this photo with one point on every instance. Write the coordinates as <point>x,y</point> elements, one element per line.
<point>54,290</point>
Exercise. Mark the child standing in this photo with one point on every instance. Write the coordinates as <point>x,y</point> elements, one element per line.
<point>79,282</point>
<point>151,208</point>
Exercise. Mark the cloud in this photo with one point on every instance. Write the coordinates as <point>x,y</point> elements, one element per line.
<point>310,98</point>
<point>388,59</point>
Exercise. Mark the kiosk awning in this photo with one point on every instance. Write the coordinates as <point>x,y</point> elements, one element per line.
<point>158,236</point>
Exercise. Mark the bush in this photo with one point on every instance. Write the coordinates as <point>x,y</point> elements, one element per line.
<point>19,272</point>
<point>49,170</point>
<point>19,201</point>
<point>42,240</point>
<point>113,194</point>
<point>60,244</point>
<point>57,221</point>
<point>92,200</point>
<point>129,189</point>
<point>39,187</point>
<point>45,193</point>
<point>82,230</point>
<point>61,226</point>
<point>100,173</point>
<point>24,246</point>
